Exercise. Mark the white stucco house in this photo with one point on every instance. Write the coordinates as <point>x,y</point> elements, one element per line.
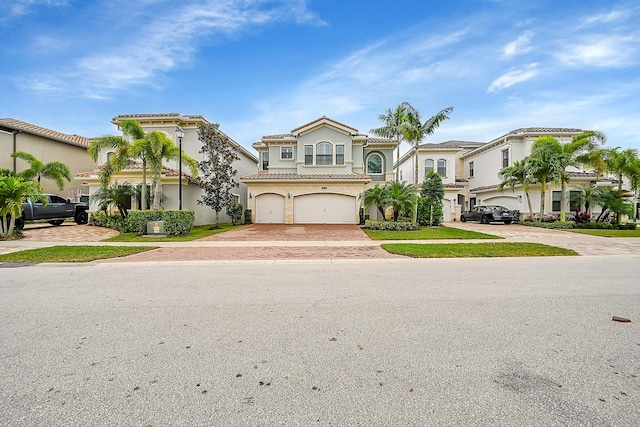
<point>191,145</point>
<point>316,173</point>
<point>470,172</point>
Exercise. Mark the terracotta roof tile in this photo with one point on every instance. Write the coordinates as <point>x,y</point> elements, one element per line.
<point>137,166</point>
<point>290,176</point>
<point>451,144</point>
<point>25,127</point>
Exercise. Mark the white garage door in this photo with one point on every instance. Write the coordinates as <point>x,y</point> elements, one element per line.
<point>324,209</point>
<point>270,209</point>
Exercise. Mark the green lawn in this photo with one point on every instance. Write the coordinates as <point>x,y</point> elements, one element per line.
<point>72,253</point>
<point>471,250</point>
<point>196,233</point>
<point>427,233</point>
<point>606,233</point>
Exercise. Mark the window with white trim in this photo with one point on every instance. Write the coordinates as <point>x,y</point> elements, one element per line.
<point>265,160</point>
<point>471,171</point>
<point>286,152</point>
<point>442,167</point>
<point>428,166</point>
<point>339,154</point>
<point>324,153</point>
<point>505,158</point>
<point>308,154</point>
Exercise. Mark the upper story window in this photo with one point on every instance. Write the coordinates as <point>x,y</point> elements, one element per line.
<point>339,154</point>
<point>324,153</point>
<point>505,158</point>
<point>286,153</point>
<point>374,167</point>
<point>471,171</point>
<point>442,167</point>
<point>110,155</point>
<point>308,154</point>
<point>428,166</point>
<point>265,160</point>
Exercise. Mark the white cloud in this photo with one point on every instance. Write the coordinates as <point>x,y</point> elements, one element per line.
<point>11,9</point>
<point>513,76</point>
<point>603,18</point>
<point>615,51</point>
<point>519,46</point>
<point>167,42</point>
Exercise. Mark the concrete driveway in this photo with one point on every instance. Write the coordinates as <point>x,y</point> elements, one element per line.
<point>297,232</point>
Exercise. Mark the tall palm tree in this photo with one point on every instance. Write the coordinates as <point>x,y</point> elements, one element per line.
<point>571,154</point>
<point>13,192</point>
<point>544,165</point>
<point>415,131</point>
<point>57,172</point>
<point>393,120</point>
<point>401,197</point>
<point>517,173</point>
<point>122,153</point>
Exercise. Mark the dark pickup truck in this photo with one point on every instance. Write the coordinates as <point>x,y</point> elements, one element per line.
<point>55,211</point>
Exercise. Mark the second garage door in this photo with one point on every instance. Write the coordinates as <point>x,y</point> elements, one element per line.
<point>324,209</point>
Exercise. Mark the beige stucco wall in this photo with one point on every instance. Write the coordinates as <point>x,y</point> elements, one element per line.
<point>47,150</point>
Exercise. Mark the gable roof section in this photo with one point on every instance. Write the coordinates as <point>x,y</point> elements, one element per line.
<point>324,120</point>
<point>10,125</point>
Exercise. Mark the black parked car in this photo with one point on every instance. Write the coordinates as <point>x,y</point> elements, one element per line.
<point>489,213</point>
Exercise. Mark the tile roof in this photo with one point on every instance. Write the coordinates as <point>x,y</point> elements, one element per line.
<point>451,144</point>
<point>290,176</point>
<point>29,128</point>
<point>137,166</point>
<point>454,186</point>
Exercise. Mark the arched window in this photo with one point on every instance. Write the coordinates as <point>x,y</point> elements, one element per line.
<point>442,167</point>
<point>374,167</point>
<point>428,166</point>
<point>324,153</point>
<point>110,155</point>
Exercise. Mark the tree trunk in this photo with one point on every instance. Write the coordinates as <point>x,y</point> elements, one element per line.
<point>529,203</point>
<point>143,188</point>
<point>217,219</point>
<point>543,193</point>
<point>158,195</point>
<point>397,160</point>
<point>563,201</point>
<point>417,169</point>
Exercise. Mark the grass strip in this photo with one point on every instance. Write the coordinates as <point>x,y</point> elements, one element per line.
<point>197,232</point>
<point>603,232</point>
<point>72,253</point>
<point>428,233</point>
<point>475,250</point>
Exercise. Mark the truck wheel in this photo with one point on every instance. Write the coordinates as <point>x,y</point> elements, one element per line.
<point>19,225</point>
<point>82,218</point>
<point>56,222</point>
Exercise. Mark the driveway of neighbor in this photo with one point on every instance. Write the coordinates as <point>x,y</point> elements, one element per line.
<point>297,232</point>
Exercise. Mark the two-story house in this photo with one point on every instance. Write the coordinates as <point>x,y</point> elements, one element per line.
<point>471,172</point>
<point>191,145</point>
<point>316,174</point>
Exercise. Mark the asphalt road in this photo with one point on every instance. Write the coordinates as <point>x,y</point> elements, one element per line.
<point>419,342</point>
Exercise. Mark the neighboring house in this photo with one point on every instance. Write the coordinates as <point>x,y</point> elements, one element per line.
<point>191,145</point>
<point>47,146</point>
<point>316,173</point>
<point>470,172</point>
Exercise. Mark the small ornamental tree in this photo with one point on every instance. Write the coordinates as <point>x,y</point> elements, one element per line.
<point>430,202</point>
<point>217,167</point>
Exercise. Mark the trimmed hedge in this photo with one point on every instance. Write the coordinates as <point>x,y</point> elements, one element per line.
<point>587,225</point>
<point>176,223</point>
<point>390,225</point>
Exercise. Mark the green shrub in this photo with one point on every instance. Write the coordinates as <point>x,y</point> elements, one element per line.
<point>234,211</point>
<point>390,225</point>
<point>247,216</point>
<point>605,226</point>
<point>176,223</point>
<point>101,219</point>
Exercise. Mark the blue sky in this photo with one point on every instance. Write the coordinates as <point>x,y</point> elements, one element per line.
<point>262,67</point>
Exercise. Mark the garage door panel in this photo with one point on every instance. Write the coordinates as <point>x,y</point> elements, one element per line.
<point>270,209</point>
<point>324,209</point>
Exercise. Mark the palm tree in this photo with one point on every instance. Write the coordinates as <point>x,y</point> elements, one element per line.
<point>544,165</point>
<point>517,173</point>
<point>55,171</point>
<point>571,154</point>
<point>375,196</point>
<point>415,131</point>
<point>122,155</point>
<point>116,195</point>
<point>14,191</point>
<point>393,121</point>
<point>401,197</point>
<point>151,148</point>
